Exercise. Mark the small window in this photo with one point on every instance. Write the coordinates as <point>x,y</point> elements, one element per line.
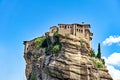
<point>77,29</point>
<point>65,27</point>
<point>81,31</point>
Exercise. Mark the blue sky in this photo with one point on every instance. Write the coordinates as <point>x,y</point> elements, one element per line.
<point>26,19</point>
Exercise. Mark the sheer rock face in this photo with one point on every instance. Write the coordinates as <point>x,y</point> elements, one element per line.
<point>73,63</point>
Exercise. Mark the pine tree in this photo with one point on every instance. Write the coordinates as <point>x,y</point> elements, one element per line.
<point>99,52</point>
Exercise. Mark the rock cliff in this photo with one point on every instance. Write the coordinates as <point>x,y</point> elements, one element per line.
<point>71,62</point>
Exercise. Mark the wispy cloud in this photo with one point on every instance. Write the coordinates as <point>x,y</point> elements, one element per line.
<point>111,40</point>
<point>112,61</point>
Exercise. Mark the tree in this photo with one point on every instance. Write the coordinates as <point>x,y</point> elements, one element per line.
<point>99,52</point>
<point>92,53</point>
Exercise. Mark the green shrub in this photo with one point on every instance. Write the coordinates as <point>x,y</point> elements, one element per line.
<point>81,42</point>
<point>56,45</point>
<point>39,42</point>
<point>33,77</point>
<point>52,48</point>
<point>99,65</point>
<point>56,48</point>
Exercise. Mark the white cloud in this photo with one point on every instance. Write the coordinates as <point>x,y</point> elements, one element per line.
<point>115,73</point>
<point>112,39</point>
<point>111,61</point>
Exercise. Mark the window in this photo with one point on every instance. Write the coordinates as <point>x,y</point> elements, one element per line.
<point>81,31</point>
<point>65,27</point>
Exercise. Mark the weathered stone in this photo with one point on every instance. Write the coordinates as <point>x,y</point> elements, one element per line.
<point>67,66</point>
<point>72,63</point>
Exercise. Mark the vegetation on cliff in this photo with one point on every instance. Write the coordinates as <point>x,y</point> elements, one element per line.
<point>54,56</point>
<point>45,42</point>
<point>40,67</point>
<point>33,77</point>
<point>81,42</point>
<point>92,53</point>
<point>39,42</point>
<point>97,56</point>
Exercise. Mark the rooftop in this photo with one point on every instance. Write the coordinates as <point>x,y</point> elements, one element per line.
<point>76,24</point>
